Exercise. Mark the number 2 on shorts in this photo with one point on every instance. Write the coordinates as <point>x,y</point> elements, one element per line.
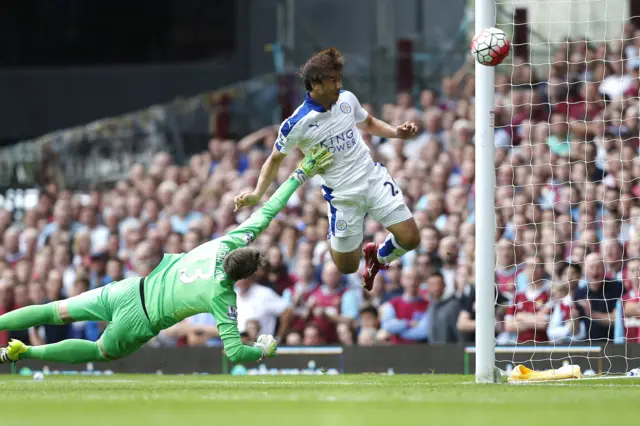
<point>394,191</point>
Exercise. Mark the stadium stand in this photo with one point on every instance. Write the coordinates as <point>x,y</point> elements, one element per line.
<point>559,153</point>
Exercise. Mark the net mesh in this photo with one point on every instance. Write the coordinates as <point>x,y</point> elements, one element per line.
<point>567,186</point>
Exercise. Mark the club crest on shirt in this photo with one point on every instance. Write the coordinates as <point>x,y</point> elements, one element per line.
<point>345,107</point>
<point>341,225</point>
<point>232,313</point>
<point>248,238</point>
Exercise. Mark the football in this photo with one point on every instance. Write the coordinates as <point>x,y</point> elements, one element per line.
<point>490,47</point>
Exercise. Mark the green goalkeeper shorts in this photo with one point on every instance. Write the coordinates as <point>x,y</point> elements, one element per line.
<point>119,303</point>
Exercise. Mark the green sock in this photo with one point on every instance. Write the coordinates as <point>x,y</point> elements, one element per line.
<point>31,316</point>
<point>71,351</point>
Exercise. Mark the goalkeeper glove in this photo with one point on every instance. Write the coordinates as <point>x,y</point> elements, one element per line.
<point>316,161</point>
<point>267,345</point>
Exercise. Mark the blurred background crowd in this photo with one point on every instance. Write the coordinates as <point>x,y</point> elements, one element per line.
<point>567,212</point>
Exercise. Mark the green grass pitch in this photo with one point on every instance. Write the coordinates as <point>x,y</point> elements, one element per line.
<point>312,400</point>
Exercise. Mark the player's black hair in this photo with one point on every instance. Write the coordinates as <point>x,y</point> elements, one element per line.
<point>195,231</point>
<point>242,263</point>
<point>82,281</point>
<point>117,260</point>
<point>562,266</point>
<point>437,274</point>
<point>575,266</point>
<point>369,309</point>
<point>321,65</point>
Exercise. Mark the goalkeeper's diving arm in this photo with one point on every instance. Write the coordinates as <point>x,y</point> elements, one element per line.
<point>313,163</point>
<point>316,161</point>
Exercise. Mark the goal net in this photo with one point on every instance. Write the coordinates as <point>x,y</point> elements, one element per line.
<point>567,194</point>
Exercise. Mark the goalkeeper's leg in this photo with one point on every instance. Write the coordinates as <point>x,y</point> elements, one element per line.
<point>129,328</point>
<point>120,339</point>
<point>31,316</point>
<point>88,306</point>
<point>71,351</point>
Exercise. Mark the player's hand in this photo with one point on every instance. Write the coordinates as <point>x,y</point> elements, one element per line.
<point>331,312</point>
<point>297,298</point>
<point>406,130</point>
<point>586,305</point>
<point>575,314</point>
<point>246,199</point>
<point>316,161</point>
<point>267,345</point>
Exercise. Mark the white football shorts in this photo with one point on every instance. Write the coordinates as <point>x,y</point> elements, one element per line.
<point>377,195</point>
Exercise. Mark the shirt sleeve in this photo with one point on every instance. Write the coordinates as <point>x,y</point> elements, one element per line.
<point>418,332</point>
<point>249,230</point>
<point>289,134</point>
<point>466,304</point>
<point>511,311</point>
<point>224,310</point>
<point>612,304</point>
<point>557,329</point>
<point>287,295</point>
<point>389,322</point>
<point>349,306</point>
<point>522,282</point>
<point>46,231</point>
<point>359,113</point>
<point>580,294</point>
<point>275,304</point>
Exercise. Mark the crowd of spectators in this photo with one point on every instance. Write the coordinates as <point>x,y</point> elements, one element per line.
<point>567,212</point>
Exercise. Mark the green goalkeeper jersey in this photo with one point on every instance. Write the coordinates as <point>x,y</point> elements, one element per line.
<point>183,285</point>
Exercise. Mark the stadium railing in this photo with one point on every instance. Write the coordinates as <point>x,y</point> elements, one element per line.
<point>104,150</point>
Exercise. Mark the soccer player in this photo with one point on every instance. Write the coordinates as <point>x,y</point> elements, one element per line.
<point>182,285</point>
<point>354,185</point>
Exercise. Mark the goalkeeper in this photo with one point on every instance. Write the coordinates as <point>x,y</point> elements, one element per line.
<point>180,286</point>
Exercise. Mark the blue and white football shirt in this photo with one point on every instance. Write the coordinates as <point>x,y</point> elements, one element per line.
<point>311,125</point>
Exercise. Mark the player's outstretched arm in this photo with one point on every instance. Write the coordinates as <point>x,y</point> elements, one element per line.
<point>236,350</point>
<point>390,323</point>
<point>224,311</point>
<point>313,163</point>
<point>268,173</point>
<point>379,128</point>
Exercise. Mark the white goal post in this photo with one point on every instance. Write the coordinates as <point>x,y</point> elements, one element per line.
<point>484,208</point>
